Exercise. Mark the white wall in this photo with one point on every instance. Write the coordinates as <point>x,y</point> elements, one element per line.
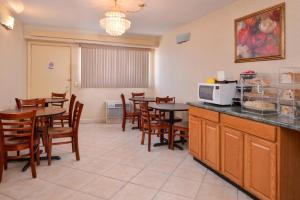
<point>12,65</point>
<point>180,67</point>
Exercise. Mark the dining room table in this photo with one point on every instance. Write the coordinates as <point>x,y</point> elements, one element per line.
<point>47,112</point>
<point>170,108</point>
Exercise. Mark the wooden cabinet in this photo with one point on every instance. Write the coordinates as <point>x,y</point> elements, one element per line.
<point>195,129</point>
<point>260,167</point>
<point>211,144</point>
<point>262,158</point>
<point>232,154</point>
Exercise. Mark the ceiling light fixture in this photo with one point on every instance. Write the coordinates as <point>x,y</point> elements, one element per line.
<point>7,21</point>
<point>115,22</point>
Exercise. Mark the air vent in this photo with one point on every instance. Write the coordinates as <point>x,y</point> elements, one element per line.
<point>182,38</point>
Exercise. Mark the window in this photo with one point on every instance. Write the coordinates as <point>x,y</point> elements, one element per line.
<point>114,67</point>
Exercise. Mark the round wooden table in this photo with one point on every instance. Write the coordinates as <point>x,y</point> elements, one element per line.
<point>54,100</point>
<point>40,112</point>
<point>171,108</point>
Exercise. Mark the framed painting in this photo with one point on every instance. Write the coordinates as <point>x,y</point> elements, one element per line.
<point>261,36</point>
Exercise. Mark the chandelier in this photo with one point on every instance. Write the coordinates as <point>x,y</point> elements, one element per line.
<point>115,22</point>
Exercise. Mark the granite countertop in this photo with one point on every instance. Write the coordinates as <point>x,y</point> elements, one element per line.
<point>236,111</point>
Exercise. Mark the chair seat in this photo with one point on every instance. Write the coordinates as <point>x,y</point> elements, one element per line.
<point>60,131</point>
<point>157,125</point>
<point>64,116</point>
<point>181,124</point>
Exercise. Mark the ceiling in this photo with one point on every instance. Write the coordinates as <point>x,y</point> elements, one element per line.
<point>158,17</point>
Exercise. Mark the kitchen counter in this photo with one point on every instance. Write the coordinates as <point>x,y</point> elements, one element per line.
<point>236,111</point>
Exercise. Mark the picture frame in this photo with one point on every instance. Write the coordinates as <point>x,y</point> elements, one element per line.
<point>260,36</point>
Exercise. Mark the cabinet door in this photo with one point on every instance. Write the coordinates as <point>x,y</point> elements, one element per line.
<point>232,154</point>
<point>260,167</point>
<point>211,144</point>
<point>195,136</point>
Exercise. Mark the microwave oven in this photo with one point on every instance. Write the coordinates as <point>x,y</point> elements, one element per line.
<point>220,94</point>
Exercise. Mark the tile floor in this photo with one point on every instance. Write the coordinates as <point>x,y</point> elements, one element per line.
<point>115,166</point>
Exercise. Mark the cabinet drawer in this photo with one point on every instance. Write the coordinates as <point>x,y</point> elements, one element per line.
<point>258,129</point>
<point>204,114</point>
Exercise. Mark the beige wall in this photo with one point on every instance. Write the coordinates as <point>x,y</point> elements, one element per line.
<point>180,67</point>
<point>12,65</point>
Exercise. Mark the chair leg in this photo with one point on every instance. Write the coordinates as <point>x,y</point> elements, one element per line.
<point>62,122</point>
<point>77,149</point>
<point>123,123</point>
<point>161,136</point>
<point>143,137</point>
<point>5,160</point>
<point>45,141</point>
<point>182,133</point>
<point>149,141</point>
<point>49,150</point>
<point>1,165</point>
<point>32,162</point>
<point>38,154</point>
<point>73,146</point>
<point>170,138</point>
<point>173,139</point>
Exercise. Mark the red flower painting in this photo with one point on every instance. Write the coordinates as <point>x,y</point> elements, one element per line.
<point>260,36</point>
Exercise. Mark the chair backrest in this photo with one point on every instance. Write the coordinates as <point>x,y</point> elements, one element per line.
<point>159,100</point>
<point>76,116</point>
<point>19,125</point>
<point>140,94</point>
<point>135,103</point>
<point>71,108</point>
<point>58,96</point>
<point>30,103</point>
<point>166,99</point>
<point>145,115</point>
<point>123,105</point>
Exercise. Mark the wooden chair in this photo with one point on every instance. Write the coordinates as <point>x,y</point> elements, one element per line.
<point>30,103</point>
<point>66,117</point>
<point>126,114</point>
<point>162,114</point>
<point>180,129</point>
<point>58,96</point>
<point>41,123</point>
<point>136,104</point>
<point>150,127</point>
<point>17,134</point>
<point>66,132</point>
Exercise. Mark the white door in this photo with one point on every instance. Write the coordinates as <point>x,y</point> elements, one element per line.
<point>49,70</point>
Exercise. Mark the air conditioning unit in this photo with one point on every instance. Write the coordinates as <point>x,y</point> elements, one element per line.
<point>114,111</point>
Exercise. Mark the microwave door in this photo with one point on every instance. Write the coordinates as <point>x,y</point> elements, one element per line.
<point>206,92</point>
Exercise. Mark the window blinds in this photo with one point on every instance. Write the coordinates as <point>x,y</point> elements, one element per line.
<point>114,67</point>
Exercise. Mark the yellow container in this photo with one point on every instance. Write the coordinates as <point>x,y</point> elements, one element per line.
<point>211,81</point>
